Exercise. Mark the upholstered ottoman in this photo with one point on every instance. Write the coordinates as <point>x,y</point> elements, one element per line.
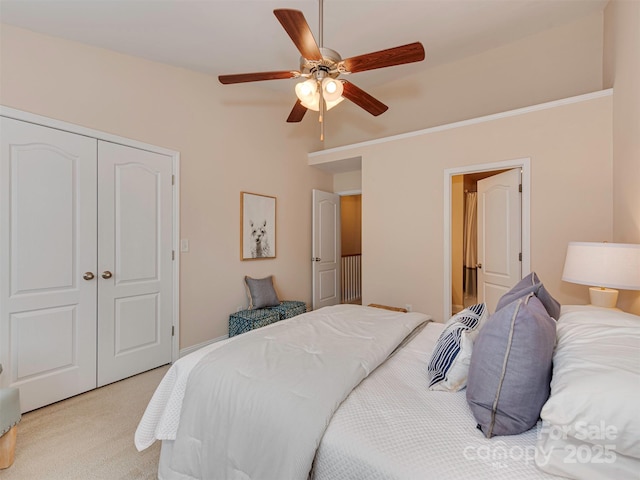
<point>245,320</point>
<point>9,417</point>
<point>289,308</point>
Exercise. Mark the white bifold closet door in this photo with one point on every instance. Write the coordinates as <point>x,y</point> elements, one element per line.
<point>135,254</point>
<point>86,262</point>
<point>48,240</point>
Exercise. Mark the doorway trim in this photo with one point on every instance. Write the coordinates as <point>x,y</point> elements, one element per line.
<point>525,167</point>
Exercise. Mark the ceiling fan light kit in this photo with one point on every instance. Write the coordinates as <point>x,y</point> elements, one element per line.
<point>320,67</point>
<point>332,89</point>
<point>308,92</point>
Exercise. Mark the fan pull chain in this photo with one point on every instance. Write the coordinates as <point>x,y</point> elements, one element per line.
<point>321,117</point>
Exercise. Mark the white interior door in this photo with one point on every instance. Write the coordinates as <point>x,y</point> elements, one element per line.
<point>326,249</point>
<point>47,245</point>
<point>134,261</point>
<point>499,236</point>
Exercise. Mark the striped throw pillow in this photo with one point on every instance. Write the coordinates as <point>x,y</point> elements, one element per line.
<point>449,364</point>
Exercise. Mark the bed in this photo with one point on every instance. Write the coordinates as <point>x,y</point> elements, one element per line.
<point>381,423</point>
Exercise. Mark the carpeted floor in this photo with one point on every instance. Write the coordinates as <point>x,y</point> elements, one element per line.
<point>88,437</point>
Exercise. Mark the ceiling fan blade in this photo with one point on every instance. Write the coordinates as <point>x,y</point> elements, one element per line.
<point>298,29</point>
<point>297,113</point>
<point>256,77</point>
<point>413,52</point>
<point>361,98</point>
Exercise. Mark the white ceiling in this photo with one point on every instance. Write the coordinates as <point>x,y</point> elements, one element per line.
<point>239,36</point>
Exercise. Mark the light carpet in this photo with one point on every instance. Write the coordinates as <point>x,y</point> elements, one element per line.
<point>89,436</point>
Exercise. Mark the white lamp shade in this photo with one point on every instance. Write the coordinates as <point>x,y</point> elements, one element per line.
<point>306,90</point>
<point>312,102</point>
<point>309,94</point>
<point>331,89</point>
<point>613,265</point>
<point>333,103</point>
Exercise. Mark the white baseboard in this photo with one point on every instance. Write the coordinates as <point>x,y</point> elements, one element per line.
<point>193,348</point>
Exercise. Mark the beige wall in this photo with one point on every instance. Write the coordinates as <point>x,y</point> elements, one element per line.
<point>558,63</point>
<point>347,182</point>
<point>622,72</point>
<point>402,212</point>
<point>228,144</point>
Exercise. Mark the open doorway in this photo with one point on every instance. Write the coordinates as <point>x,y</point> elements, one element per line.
<point>351,241</point>
<point>464,238</point>
<point>454,189</point>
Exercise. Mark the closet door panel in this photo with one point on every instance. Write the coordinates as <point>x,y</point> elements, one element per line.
<point>135,248</point>
<point>47,243</point>
<point>38,239</point>
<point>34,356</point>
<point>138,222</point>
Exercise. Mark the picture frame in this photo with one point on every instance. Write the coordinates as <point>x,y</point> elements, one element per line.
<point>257,226</point>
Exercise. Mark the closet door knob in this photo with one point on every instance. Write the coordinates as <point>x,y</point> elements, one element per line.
<point>478,265</point>
<point>88,276</point>
<point>107,274</point>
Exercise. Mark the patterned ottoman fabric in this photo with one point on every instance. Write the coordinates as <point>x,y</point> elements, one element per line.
<point>245,320</point>
<point>289,308</point>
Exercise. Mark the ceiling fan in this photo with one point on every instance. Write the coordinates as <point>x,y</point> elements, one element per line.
<point>320,67</point>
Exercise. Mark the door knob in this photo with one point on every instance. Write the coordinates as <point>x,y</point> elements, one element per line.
<point>478,265</point>
<point>316,259</point>
<point>106,274</point>
<point>88,276</point>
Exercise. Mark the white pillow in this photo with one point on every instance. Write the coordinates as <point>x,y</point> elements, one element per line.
<point>449,364</point>
<point>595,388</point>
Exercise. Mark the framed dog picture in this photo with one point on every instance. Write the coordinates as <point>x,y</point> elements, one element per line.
<point>257,226</point>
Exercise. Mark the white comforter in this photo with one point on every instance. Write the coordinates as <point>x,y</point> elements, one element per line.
<point>392,427</point>
<point>257,407</point>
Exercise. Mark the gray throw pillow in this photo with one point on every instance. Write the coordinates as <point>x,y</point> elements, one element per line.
<point>510,369</point>
<point>261,292</point>
<point>531,284</point>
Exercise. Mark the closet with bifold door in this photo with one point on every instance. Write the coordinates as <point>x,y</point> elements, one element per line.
<point>88,271</point>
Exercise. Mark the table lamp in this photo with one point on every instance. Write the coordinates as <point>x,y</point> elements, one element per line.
<point>606,267</point>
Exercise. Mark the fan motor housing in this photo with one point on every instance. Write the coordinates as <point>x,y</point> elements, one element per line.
<point>328,64</point>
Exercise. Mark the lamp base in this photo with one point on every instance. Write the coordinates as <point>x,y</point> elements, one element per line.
<point>603,297</point>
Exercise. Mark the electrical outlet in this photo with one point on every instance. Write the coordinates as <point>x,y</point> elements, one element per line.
<point>408,307</point>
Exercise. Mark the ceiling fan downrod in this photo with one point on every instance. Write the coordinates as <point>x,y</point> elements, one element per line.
<point>321,45</point>
<point>320,22</point>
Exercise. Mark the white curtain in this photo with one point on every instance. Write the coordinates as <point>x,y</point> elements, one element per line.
<point>469,285</point>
